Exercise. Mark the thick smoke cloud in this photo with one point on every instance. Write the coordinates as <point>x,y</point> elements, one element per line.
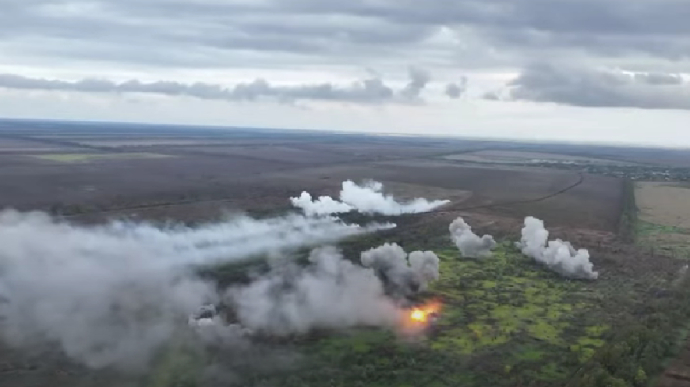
<point>469,243</point>
<point>367,199</point>
<point>330,293</point>
<point>558,255</point>
<point>111,295</point>
<point>404,275</point>
<point>371,90</point>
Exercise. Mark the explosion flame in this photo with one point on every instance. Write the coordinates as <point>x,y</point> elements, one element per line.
<point>420,316</point>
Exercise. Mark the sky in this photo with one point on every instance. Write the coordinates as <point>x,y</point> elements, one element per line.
<point>574,70</point>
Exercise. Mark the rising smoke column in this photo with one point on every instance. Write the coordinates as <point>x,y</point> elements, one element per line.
<point>111,295</point>
<point>330,293</point>
<point>404,275</point>
<point>367,199</point>
<point>469,243</point>
<point>558,255</point>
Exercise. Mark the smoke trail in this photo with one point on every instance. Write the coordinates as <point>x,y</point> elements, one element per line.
<point>241,237</point>
<point>367,199</point>
<point>111,295</point>
<point>403,275</point>
<point>330,293</point>
<point>469,243</point>
<point>558,255</point>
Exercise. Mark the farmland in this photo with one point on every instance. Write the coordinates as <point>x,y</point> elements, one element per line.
<point>506,320</point>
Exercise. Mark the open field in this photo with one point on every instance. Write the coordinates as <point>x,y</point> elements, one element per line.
<point>506,321</point>
<point>664,218</point>
<point>666,204</point>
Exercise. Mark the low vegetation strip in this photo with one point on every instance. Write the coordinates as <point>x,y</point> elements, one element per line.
<point>628,218</point>
<point>86,157</point>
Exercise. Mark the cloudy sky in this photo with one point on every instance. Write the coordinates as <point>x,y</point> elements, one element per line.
<point>582,70</point>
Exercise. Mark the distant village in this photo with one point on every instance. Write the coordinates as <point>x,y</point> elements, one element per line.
<point>632,172</point>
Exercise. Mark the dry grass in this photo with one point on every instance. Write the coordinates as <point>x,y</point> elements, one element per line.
<point>664,204</point>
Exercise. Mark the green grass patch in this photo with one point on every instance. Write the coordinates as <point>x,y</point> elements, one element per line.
<point>659,238</point>
<point>86,157</point>
<point>647,229</point>
<point>502,298</point>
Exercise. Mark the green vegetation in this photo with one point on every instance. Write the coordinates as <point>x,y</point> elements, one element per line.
<point>86,157</point>
<point>491,302</point>
<point>641,349</point>
<point>660,239</point>
<point>505,321</point>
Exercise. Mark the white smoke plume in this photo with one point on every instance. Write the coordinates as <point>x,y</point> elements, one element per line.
<point>324,205</point>
<point>558,255</point>
<point>469,243</point>
<point>404,275</point>
<point>330,293</point>
<point>111,295</point>
<point>367,199</point>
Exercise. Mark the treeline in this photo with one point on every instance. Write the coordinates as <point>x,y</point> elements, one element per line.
<point>632,356</point>
<point>627,224</point>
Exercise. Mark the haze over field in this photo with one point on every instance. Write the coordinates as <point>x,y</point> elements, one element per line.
<point>476,67</point>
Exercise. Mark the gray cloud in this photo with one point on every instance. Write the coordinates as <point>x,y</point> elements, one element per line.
<point>371,90</point>
<point>222,33</point>
<point>587,87</point>
<point>456,90</point>
<point>659,78</point>
<point>418,80</point>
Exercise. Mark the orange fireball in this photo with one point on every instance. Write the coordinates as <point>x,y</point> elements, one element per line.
<point>418,315</point>
<point>421,313</point>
